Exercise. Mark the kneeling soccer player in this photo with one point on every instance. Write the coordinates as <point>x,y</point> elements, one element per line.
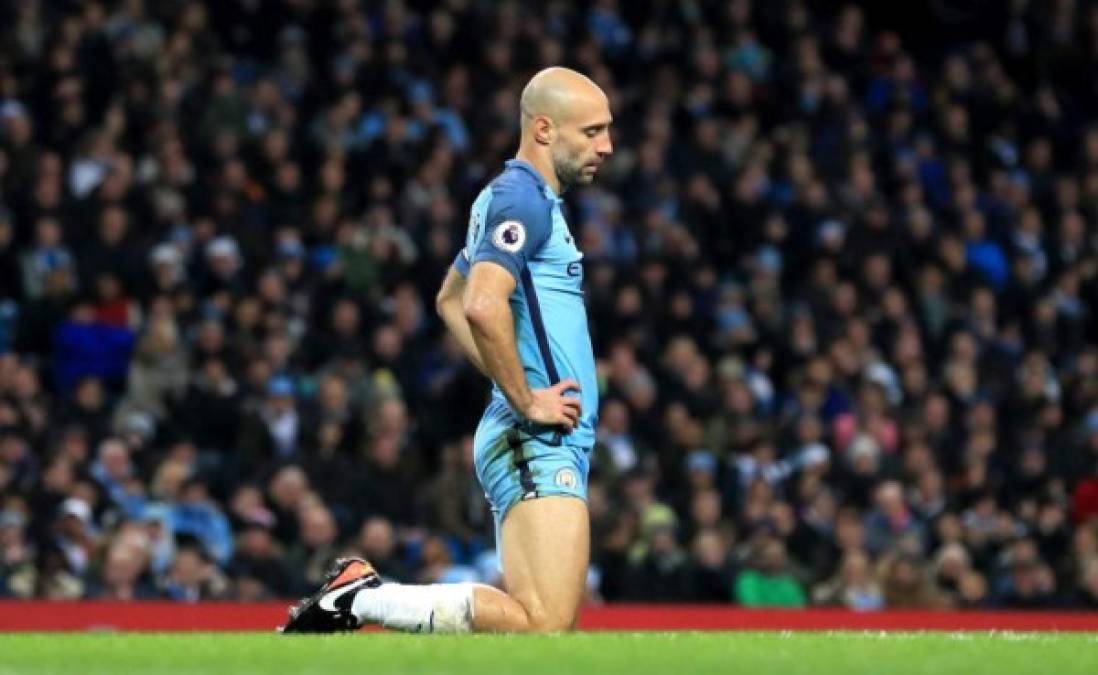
<point>514,301</point>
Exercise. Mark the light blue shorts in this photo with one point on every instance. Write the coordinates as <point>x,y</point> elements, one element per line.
<point>514,465</point>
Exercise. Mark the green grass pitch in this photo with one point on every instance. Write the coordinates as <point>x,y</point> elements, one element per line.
<point>601,653</point>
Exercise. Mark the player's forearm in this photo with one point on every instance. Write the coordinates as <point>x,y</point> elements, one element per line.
<point>492,326</point>
<point>449,307</point>
<point>454,317</point>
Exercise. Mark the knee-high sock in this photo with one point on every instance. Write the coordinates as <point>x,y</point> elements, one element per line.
<point>434,608</point>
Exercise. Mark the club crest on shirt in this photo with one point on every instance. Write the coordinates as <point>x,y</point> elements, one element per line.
<point>565,478</point>
<point>509,236</point>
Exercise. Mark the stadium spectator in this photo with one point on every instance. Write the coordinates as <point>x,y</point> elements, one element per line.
<point>124,567</point>
<point>377,542</point>
<point>769,582</point>
<point>854,587</point>
<point>16,552</point>
<point>260,561</point>
<point>712,572</point>
<point>192,577</point>
<point>659,568</point>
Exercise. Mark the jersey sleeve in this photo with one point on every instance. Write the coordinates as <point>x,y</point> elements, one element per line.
<point>516,227</point>
<point>461,262</point>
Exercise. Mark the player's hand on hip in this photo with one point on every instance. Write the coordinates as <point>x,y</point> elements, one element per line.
<point>552,407</point>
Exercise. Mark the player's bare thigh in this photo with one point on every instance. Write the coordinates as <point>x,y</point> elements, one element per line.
<point>546,550</point>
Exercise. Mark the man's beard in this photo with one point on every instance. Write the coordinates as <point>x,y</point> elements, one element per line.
<point>569,171</point>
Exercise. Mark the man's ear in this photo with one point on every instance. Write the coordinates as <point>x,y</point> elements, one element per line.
<point>543,130</point>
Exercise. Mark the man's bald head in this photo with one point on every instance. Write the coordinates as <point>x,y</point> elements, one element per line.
<point>566,119</point>
<point>557,93</point>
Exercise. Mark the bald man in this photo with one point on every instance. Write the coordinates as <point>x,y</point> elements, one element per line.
<point>513,299</point>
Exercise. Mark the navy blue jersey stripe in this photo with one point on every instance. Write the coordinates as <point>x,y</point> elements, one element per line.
<point>539,326</point>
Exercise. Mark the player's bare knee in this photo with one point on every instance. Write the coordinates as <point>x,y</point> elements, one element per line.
<point>542,620</point>
<point>551,624</point>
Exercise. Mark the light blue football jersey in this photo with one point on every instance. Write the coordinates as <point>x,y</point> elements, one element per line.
<point>517,222</point>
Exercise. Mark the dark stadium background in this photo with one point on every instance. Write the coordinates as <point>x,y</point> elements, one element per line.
<point>841,280</point>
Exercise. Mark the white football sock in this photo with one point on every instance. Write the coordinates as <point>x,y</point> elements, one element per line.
<point>434,608</point>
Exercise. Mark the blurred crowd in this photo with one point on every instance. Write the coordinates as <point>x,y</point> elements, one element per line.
<point>842,279</point>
